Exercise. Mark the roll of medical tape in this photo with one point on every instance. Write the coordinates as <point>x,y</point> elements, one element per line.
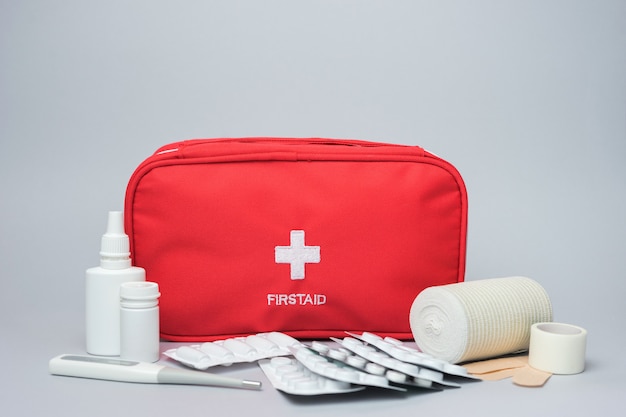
<point>557,348</point>
<point>478,319</point>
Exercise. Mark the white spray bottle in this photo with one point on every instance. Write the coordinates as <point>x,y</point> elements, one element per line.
<point>103,282</point>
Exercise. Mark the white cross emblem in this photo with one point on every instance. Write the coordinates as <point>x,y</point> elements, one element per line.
<point>297,254</point>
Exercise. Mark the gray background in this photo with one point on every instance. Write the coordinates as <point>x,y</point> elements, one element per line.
<point>527,99</point>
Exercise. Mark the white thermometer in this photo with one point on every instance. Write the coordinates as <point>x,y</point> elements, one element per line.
<point>141,372</point>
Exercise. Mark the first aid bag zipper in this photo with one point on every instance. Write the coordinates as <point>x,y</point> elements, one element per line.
<point>176,146</point>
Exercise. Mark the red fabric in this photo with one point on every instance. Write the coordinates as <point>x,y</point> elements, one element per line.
<point>204,218</point>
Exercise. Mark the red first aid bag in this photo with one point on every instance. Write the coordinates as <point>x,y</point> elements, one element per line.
<point>311,237</point>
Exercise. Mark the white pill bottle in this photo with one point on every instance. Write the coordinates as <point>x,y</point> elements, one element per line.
<point>139,321</point>
<point>102,295</point>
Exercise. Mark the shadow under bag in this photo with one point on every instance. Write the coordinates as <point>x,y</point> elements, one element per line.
<point>310,237</point>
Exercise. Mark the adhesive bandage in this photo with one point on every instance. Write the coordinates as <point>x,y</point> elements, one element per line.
<point>478,319</point>
<point>515,367</point>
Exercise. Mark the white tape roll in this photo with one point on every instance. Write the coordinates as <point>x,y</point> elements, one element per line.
<point>557,348</point>
<point>478,319</point>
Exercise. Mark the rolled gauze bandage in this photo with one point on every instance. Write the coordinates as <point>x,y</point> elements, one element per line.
<point>478,319</point>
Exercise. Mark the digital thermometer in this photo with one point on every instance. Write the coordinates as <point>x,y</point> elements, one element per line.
<point>140,372</point>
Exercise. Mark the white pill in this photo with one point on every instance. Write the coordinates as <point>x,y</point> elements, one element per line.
<point>407,368</point>
<point>303,353</point>
<point>363,350</point>
<point>424,383</point>
<point>430,374</point>
<point>239,348</point>
<point>390,362</point>
<point>337,354</point>
<point>280,361</point>
<point>281,339</point>
<point>375,369</point>
<point>356,361</point>
<point>351,341</point>
<point>395,376</point>
<point>320,347</point>
<point>385,346</point>
<point>193,356</point>
<point>216,351</point>
<point>370,337</point>
<point>393,341</point>
<point>261,343</point>
<point>399,353</point>
<point>369,379</point>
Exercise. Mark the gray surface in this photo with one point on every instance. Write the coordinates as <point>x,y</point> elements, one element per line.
<point>527,99</point>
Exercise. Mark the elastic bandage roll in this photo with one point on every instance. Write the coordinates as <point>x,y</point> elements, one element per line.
<point>478,319</point>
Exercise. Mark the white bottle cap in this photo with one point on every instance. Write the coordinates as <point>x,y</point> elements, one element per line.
<point>114,247</point>
<point>140,294</point>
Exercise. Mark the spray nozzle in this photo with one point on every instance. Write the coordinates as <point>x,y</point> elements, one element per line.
<point>114,250</point>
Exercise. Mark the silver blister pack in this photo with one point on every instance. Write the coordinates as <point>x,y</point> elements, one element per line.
<point>387,364</point>
<point>233,350</point>
<point>292,377</point>
<point>405,353</point>
<point>330,368</point>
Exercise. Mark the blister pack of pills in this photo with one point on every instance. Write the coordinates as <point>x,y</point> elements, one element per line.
<point>233,350</point>
<point>291,376</point>
<point>381,363</point>
<point>334,369</point>
<point>359,361</point>
<point>374,363</point>
<point>405,353</point>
